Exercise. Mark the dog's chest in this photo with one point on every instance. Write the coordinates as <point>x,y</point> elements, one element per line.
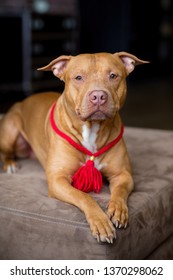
<point>89,141</point>
<point>89,137</point>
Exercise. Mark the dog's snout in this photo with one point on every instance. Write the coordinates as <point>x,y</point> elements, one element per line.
<point>98,97</point>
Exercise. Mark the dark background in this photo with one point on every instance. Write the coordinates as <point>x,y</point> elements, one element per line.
<point>143,28</point>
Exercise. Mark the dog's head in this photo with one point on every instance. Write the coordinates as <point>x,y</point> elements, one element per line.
<point>95,84</point>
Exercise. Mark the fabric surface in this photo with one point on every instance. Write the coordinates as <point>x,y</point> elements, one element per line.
<point>33,226</point>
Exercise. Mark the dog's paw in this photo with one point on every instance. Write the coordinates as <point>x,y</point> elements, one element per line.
<point>10,166</point>
<point>102,228</point>
<point>118,213</point>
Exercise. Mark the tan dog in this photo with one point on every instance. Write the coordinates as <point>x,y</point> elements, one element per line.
<point>87,111</point>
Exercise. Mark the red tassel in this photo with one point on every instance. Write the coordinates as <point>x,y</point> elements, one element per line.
<point>87,178</point>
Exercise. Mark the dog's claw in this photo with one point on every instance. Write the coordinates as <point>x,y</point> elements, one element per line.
<point>111,239</point>
<point>116,224</point>
<point>108,240</point>
<point>98,238</point>
<point>115,235</point>
<point>10,166</point>
<point>125,225</point>
<point>11,169</point>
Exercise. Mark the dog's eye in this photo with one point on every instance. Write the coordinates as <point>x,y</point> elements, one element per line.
<point>78,78</point>
<point>113,76</point>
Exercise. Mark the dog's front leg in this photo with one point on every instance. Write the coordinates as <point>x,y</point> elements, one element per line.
<point>120,188</point>
<point>100,224</point>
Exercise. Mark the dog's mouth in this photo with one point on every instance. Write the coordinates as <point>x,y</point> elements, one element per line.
<point>97,115</point>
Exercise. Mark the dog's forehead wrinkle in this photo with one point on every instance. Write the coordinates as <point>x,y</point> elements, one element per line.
<point>94,65</point>
<point>106,65</point>
<point>82,65</point>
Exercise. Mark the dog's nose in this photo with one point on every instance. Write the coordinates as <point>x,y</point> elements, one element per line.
<point>98,97</point>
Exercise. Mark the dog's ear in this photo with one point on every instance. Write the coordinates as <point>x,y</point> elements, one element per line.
<point>57,66</point>
<point>129,61</point>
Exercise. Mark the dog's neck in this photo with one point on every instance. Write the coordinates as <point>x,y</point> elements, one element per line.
<point>91,134</point>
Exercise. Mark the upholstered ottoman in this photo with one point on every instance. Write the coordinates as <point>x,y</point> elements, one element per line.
<point>33,226</point>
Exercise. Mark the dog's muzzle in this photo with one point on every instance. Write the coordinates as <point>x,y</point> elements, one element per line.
<point>96,105</point>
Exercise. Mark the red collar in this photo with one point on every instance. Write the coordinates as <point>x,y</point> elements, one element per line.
<point>78,146</point>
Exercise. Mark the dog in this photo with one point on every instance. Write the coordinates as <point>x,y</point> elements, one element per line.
<point>87,113</point>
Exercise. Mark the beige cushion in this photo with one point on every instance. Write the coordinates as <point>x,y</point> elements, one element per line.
<point>34,226</point>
